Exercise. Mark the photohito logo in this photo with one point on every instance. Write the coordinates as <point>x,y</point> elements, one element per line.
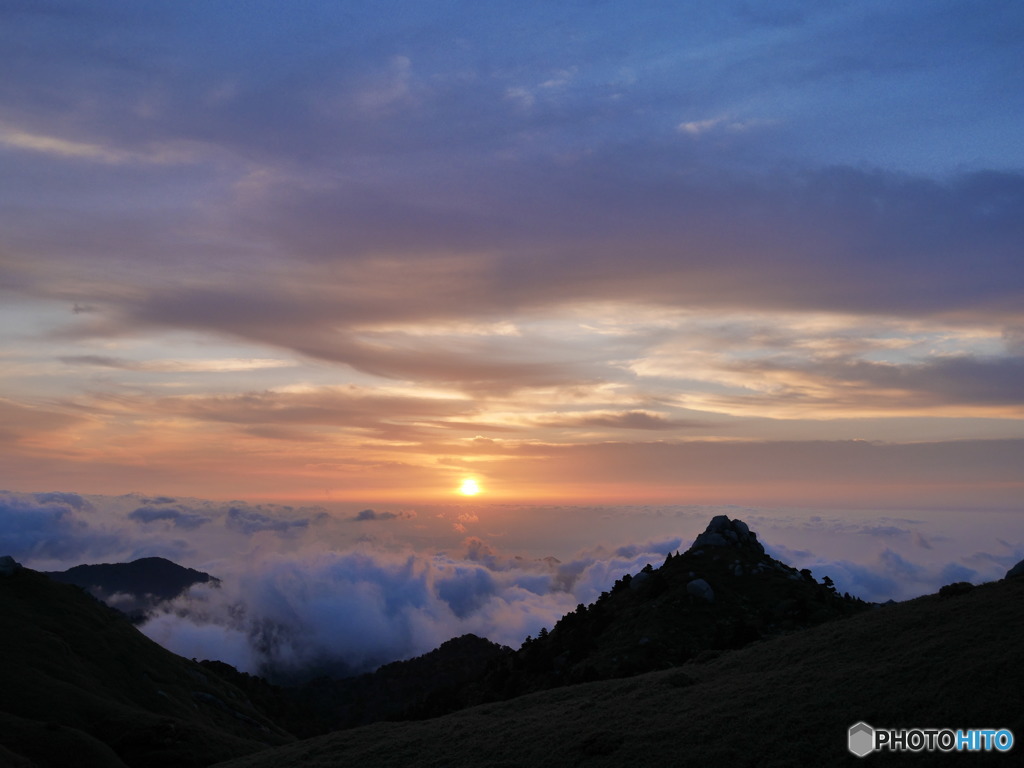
<point>863,739</point>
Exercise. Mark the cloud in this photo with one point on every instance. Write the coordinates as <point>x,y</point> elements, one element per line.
<point>362,409</point>
<point>884,531</point>
<point>349,612</point>
<point>954,572</point>
<point>802,244</point>
<point>698,128</point>
<point>200,640</point>
<point>369,514</point>
<point>57,530</point>
<point>466,588</point>
<point>157,499</point>
<point>849,384</point>
<point>299,595</point>
<point>840,241</point>
<point>64,529</point>
<point>997,561</point>
<point>823,226</point>
<point>972,473</point>
<point>631,551</point>
<point>616,420</point>
<point>890,574</point>
<point>24,422</point>
<point>73,500</point>
<point>389,90</point>
<point>176,366</point>
<point>479,551</point>
<point>179,519</point>
<point>901,568</point>
<point>352,610</point>
<point>250,520</point>
<point>344,612</point>
<point>520,95</point>
<point>922,541</point>
<point>18,139</point>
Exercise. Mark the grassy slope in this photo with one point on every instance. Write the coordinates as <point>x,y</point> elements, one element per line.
<point>76,674</point>
<point>930,662</point>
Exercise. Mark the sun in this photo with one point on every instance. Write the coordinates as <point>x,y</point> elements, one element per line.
<point>469,487</point>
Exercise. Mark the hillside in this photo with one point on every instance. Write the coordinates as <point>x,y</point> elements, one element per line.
<point>935,661</point>
<point>79,680</point>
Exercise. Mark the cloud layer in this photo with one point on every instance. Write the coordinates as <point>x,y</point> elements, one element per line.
<point>344,613</point>
<point>303,591</point>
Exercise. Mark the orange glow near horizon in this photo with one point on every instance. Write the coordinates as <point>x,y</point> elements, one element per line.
<point>469,487</point>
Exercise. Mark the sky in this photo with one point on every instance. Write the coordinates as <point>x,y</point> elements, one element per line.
<point>687,252</point>
<point>278,280</point>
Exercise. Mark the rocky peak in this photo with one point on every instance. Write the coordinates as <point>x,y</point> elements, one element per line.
<point>721,593</point>
<point>723,532</point>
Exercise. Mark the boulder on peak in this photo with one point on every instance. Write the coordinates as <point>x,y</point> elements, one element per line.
<point>700,589</point>
<point>723,532</point>
<point>1017,570</point>
<point>8,565</point>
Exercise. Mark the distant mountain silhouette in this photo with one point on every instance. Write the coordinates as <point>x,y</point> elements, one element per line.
<point>133,587</point>
<point>79,685</point>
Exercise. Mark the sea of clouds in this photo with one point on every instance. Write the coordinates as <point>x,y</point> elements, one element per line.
<point>305,590</point>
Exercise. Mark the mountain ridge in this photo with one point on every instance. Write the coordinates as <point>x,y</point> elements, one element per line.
<point>787,701</point>
<point>718,632</point>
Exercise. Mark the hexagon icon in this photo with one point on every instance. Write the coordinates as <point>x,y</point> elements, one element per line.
<point>861,739</point>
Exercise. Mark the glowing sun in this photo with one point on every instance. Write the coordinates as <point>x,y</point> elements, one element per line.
<point>469,487</point>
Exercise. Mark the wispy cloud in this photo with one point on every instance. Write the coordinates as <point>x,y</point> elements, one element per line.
<point>722,124</point>
<point>72,149</point>
<point>177,366</point>
<point>56,146</point>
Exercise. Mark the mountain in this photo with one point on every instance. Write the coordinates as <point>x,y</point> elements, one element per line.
<point>934,662</point>
<point>443,680</point>
<point>133,587</point>
<point>722,655</point>
<point>80,685</point>
<point>437,682</point>
<point>722,593</point>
